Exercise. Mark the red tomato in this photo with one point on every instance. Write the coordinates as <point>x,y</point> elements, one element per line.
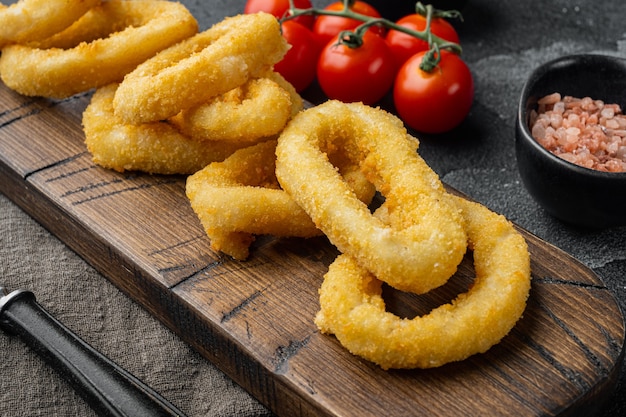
<point>299,64</point>
<point>362,74</point>
<point>436,101</point>
<point>328,27</point>
<point>279,9</point>
<point>404,45</point>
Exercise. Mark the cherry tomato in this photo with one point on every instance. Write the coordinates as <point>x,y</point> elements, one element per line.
<point>404,45</point>
<point>299,64</point>
<point>279,9</point>
<point>435,101</point>
<point>365,73</point>
<point>328,27</point>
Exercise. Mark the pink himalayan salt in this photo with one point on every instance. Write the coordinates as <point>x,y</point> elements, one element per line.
<point>584,131</point>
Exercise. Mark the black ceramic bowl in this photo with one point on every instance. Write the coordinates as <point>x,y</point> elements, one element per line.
<point>576,195</point>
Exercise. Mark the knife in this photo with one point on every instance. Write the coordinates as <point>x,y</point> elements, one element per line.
<point>105,386</point>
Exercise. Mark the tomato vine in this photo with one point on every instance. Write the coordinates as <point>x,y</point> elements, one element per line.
<point>353,38</point>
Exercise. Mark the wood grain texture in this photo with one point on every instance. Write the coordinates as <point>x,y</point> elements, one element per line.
<point>254,319</point>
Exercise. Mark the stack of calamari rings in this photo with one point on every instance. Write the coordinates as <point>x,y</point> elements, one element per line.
<point>171,100</point>
<point>168,99</point>
<point>319,177</point>
<point>195,102</point>
<point>413,242</point>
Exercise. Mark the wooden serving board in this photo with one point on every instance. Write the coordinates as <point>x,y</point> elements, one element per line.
<point>254,319</point>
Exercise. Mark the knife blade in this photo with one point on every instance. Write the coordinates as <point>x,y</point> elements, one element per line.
<point>109,389</point>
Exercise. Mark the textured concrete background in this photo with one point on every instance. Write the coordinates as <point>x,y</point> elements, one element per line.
<point>503,41</point>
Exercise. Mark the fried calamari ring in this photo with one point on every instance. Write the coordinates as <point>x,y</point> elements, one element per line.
<point>33,20</point>
<point>352,307</point>
<point>108,42</point>
<point>209,64</point>
<point>157,148</point>
<point>427,242</point>
<point>258,109</point>
<point>297,104</point>
<point>240,197</point>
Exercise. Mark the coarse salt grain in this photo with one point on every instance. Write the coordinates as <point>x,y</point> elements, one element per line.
<point>584,131</point>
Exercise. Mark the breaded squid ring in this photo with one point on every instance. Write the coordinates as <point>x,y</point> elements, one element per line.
<point>240,197</point>
<point>33,20</point>
<point>209,64</point>
<point>297,104</point>
<point>258,109</point>
<point>103,46</point>
<point>156,148</point>
<point>352,307</point>
<point>427,240</point>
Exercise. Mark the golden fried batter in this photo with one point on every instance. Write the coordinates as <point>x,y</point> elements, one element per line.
<point>240,197</point>
<point>157,147</point>
<point>249,113</point>
<point>192,72</point>
<point>426,241</point>
<point>96,51</point>
<point>352,307</point>
<point>33,20</point>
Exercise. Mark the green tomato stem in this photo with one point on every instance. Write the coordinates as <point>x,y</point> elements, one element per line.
<point>431,59</point>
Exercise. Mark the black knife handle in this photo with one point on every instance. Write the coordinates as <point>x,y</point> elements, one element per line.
<point>107,388</point>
